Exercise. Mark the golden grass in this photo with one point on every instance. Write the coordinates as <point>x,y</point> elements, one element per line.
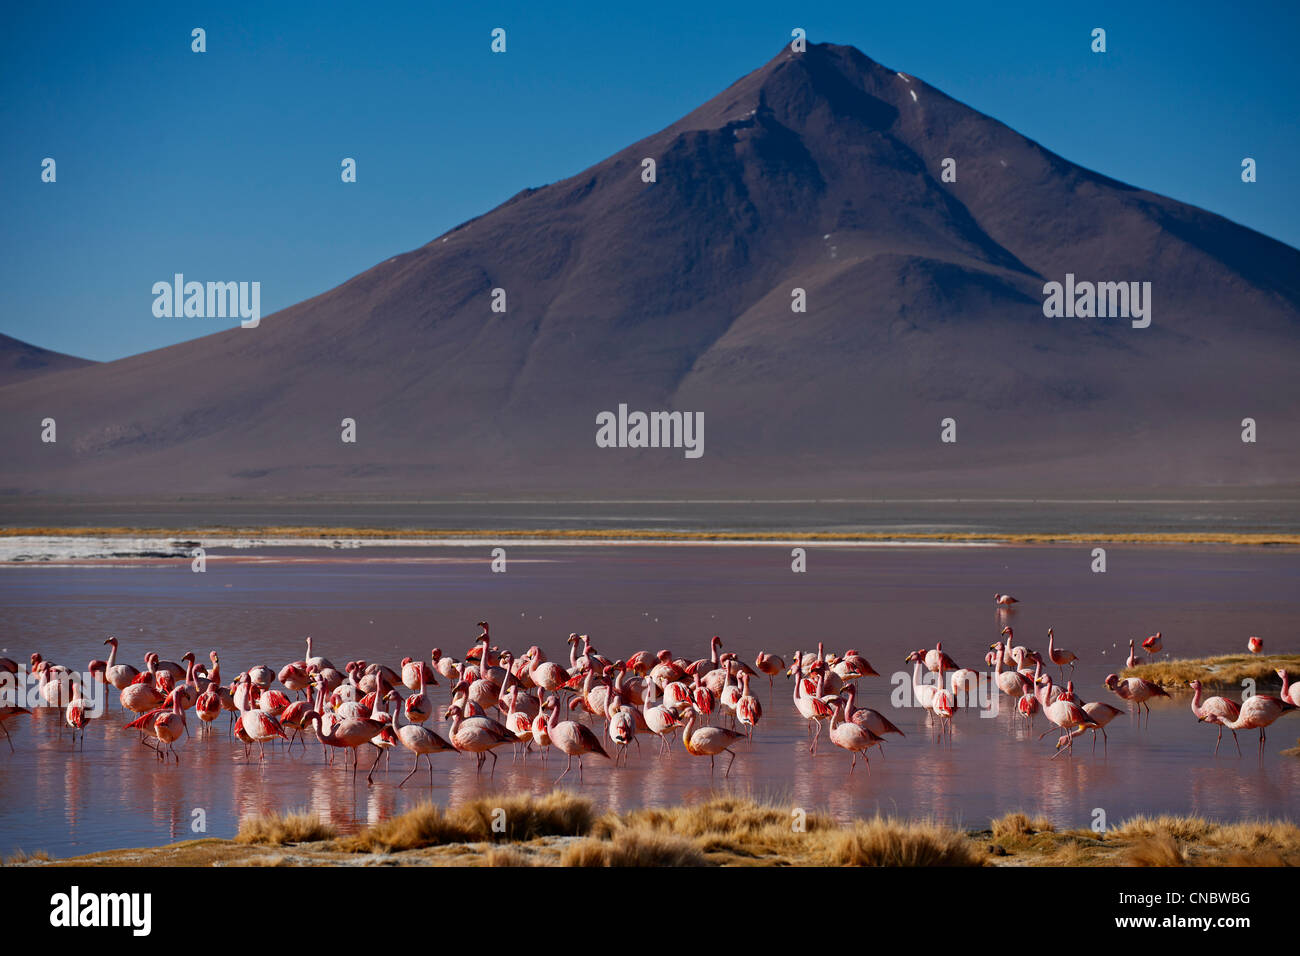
<point>652,534</point>
<point>635,848</point>
<point>1194,841</point>
<point>562,829</point>
<point>507,856</point>
<point>279,829</point>
<point>512,818</point>
<point>1225,669</point>
<point>22,856</point>
<point>882,841</point>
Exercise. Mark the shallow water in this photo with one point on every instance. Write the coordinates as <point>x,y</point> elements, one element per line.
<point>384,605</point>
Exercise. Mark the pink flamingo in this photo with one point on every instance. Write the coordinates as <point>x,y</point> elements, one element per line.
<point>1258,711</point>
<point>866,718</point>
<point>1136,690</point>
<point>1059,655</point>
<point>574,740</point>
<point>1290,692</point>
<point>1219,707</point>
<point>1133,659</point>
<point>477,735</point>
<point>748,710</point>
<point>1254,645</point>
<point>1004,600</point>
<point>771,665</point>
<point>1154,643</point>
<point>810,706</point>
<point>849,736</point>
<point>708,741</point>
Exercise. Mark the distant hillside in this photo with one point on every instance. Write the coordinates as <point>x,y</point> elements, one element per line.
<point>820,171</point>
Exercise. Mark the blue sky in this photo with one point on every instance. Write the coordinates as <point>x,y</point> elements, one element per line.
<point>225,165</point>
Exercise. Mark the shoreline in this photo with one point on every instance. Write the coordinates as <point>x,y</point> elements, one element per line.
<point>316,535</point>
<point>563,828</point>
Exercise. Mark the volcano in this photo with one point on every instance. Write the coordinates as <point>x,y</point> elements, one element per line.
<point>818,178</point>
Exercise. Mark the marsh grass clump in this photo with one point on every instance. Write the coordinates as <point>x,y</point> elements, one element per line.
<point>883,841</point>
<point>1225,669</point>
<point>639,847</point>
<point>1195,841</point>
<point>278,829</point>
<point>735,826</point>
<point>22,856</point>
<point>525,817</point>
<point>508,856</point>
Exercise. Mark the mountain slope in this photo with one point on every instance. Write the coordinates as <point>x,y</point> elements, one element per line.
<point>818,171</point>
<point>20,361</point>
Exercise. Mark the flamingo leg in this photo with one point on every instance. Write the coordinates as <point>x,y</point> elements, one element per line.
<point>567,768</point>
<point>413,769</point>
<point>730,762</point>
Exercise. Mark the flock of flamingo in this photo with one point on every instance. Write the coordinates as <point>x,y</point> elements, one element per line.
<point>535,704</point>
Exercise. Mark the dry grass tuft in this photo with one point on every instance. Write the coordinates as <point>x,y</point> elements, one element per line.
<point>882,841</point>
<point>508,856</point>
<point>22,856</point>
<point>558,813</point>
<point>1199,842</point>
<point>424,825</point>
<point>1226,669</point>
<point>737,827</point>
<point>1159,849</point>
<point>642,847</point>
<point>1014,826</point>
<point>525,817</point>
<point>278,829</point>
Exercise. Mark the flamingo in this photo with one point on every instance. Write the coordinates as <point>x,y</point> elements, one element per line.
<point>622,727</point>
<point>1218,706</point>
<point>810,706</point>
<point>1290,692</point>
<point>1010,682</point>
<point>941,705</point>
<point>1059,655</point>
<point>708,741</point>
<point>316,664</point>
<point>1067,715</point>
<point>419,707</point>
<point>936,660</point>
<point>1258,711</point>
<point>1133,659</point>
<point>119,675</point>
<point>1154,643</point>
<point>1028,705</point>
<point>1255,645</point>
<point>1004,600</point>
<point>476,735</point>
<point>421,742</point>
<point>660,720</point>
<point>1101,715</point>
<point>771,665</point>
<point>1135,690</point>
<point>866,718</point>
<point>258,724</point>
<point>748,710</point>
<point>574,740</point>
<point>849,736</point>
<point>166,725</point>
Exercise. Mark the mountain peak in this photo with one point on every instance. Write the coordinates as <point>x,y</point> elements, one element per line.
<point>816,178</point>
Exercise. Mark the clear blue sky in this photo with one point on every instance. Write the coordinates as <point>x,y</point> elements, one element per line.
<point>225,165</point>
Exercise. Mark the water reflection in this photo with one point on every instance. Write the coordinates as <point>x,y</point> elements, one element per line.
<point>114,793</point>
